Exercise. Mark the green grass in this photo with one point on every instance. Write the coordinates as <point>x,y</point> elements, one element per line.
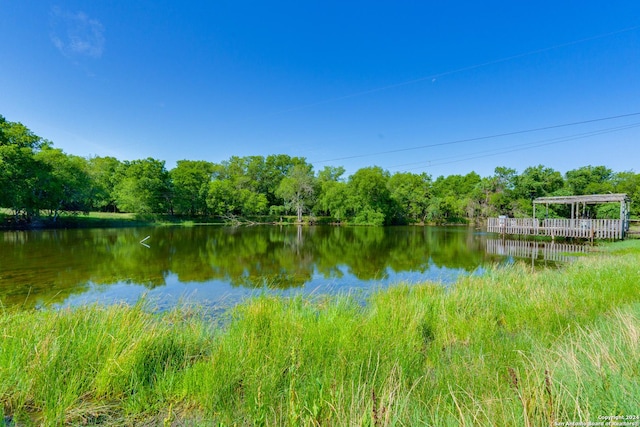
<point>512,347</point>
<point>113,219</point>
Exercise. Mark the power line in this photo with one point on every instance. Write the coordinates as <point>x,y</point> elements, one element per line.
<point>522,147</point>
<point>525,146</point>
<point>480,138</point>
<point>459,70</point>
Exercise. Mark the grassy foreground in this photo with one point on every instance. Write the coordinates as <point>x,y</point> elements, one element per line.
<point>509,348</point>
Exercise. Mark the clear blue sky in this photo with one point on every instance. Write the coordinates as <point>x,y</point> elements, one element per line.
<point>341,83</point>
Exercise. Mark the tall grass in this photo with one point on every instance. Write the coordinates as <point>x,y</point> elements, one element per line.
<point>513,347</point>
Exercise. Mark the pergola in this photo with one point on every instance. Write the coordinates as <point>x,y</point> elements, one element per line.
<point>578,202</point>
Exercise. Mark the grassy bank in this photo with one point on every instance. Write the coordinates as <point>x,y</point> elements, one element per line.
<point>115,220</point>
<point>80,220</point>
<point>512,347</point>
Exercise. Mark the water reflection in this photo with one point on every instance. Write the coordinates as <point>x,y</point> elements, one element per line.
<point>536,251</point>
<point>45,267</point>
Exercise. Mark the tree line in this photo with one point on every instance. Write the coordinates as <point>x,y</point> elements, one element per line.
<point>37,179</point>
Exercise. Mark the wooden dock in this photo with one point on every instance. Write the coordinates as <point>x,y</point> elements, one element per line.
<point>575,228</point>
<point>578,226</point>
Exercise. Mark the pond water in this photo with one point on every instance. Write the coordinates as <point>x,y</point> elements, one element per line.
<point>219,266</point>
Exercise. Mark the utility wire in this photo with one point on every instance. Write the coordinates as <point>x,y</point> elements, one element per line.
<point>522,147</point>
<point>433,77</point>
<point>480,138</point>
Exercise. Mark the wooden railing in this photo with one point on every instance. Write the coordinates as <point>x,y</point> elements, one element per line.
<point>584,228</point>
<point>579,228</point>
<point>513,225</point>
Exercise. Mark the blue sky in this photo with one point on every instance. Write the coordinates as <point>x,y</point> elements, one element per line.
<point>417,86</point>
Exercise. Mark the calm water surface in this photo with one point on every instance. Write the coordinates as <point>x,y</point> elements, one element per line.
<point>220,266</point>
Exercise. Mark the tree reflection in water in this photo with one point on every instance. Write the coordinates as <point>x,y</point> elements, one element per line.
<point>48,266</point>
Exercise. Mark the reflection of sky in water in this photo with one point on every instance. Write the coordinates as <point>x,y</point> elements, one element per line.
<point>219,294</point>
<point>214,267</point>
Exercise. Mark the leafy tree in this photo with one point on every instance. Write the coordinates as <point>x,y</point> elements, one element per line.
<point>534,182</point>
<point>589,180</point>
<point>18,135</point>
<point>144,187</point>
<point>276,168</point>
<point>629,183</point>
<point>501,187</point>
<point>297,188</point>
<point>254,179</point>
<point>21,174</point>
<point>479,205</point>
<point>68,185</point>
<point>369,198</point>
<point>505,178</point>
<point>411,194</point>
<point>330,174</point>
<point>244,172</point>
<point>191,186</point>
<point>332,194</point>
<point>220,198</point>
<point>257,174</point>
<point>538,181</point>
<point>454,195</point>
<point>103,174</point>
<point>225,199</point>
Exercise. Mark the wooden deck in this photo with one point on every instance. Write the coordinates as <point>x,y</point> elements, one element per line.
<point>576,228</point>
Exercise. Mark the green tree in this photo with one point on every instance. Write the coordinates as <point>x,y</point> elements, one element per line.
<point>276,168</point>
<point>534,182</point>
<point>369,199</point>
<point>21,175</point>
<point>538,181</point>
<point>225,199</point>
<point>103,174</point>
<point>144,187</point>
<point>332,193</point>
<point>221,198</point>
<point>68,185</point>
<point>191,186</point>
<point>629,183</point>
<point>297,189</point>
<point>411,194</point>
<point>501,191</point>
<point>589,180</point>
<point>454,196</point>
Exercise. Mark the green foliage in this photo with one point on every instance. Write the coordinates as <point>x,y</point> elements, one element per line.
<point>103,174</point>
<point>589,180</point>
<point>22,176</point>
<point>224,199</point>
<point>258,174</point>
<point>332,193</point>
<point>190,181</point>
<point>608,211</point>
<point>297,189</point>
<point>68,184</point>
<point>143,186</point>
<point>34,177</point>
<point>629,183</point>
<point>538,181</point>
<point>410,194</point>
<point>369,198</point>
<point>455,197</point>
<point>18,135</point>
